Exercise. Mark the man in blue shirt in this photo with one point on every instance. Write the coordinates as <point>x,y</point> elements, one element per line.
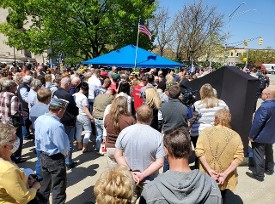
<point>53,143</point>
<point>44,96</point>
<point>262,136</point>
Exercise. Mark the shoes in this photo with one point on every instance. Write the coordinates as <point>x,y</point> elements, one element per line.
<point>29,137</point>
<point>70,166</point>
<point>269,172</point>
<point>254,176</point>
<point>99,153</point>
<point>19,160</point>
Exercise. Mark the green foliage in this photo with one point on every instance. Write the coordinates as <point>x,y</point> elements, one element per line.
<point>257,57</point>
<point>78,28</point>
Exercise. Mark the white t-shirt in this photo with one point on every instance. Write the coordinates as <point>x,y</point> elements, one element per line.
<point>94,83</point>
<point>81,101</point>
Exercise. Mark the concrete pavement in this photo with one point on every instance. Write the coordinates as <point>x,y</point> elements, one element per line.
<point>82,178</point>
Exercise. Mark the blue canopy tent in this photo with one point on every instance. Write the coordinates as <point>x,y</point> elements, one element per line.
<point>125,57</point>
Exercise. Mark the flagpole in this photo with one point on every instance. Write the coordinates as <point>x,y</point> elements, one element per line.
<point>137,45</point>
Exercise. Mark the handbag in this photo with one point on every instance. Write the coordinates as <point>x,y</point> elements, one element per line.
<point>15,120</point>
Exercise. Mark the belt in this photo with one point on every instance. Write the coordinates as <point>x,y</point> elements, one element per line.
<point>54,156</point>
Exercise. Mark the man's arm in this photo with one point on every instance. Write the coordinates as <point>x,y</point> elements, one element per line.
<point>120,159</point>
<point>60,140</point>
<point>155,166</point>
<point>24,94</point>
<point>258,123</point>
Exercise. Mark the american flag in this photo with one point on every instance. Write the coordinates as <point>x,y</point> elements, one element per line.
<point>143,29</point>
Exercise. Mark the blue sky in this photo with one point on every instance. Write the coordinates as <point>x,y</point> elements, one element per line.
<point>260,21</point>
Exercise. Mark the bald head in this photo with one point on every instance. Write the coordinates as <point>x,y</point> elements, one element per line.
<point>144,114</point>
<point>75,81</point>
<point>271,91</point>
<point>65,83</point>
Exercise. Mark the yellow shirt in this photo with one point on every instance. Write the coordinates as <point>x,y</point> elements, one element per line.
<point>13,184</point>
<point>220,146</point>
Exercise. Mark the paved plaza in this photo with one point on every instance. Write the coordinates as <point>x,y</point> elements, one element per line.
<point>82,178</point>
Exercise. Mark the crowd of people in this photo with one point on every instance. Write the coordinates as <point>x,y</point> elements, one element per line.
<point>142,121</point>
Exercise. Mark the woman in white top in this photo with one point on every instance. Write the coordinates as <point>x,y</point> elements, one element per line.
<point>84,118</point>
<point>206,109</point>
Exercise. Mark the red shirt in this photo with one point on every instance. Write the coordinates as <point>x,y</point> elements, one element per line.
<point>136,94</point>
<point>113,86</point>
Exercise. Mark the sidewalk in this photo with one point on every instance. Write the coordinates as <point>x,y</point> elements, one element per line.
<point>82,178</point>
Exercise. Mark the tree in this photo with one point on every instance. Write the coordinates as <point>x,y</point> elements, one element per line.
<point>80,29</point>
<point>258,57</point>
<point>197,27</point>
<point>163,30</point>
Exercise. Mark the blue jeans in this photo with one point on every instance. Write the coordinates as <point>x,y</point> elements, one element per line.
<point>83,122</point>
<point>99,133</point>
<point>91,104</point>
<point>26,126</point>
<point>70,131</point>
<point>38,168</point>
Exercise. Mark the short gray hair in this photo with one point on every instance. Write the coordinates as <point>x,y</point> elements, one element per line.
<point>27,79</point>
<point>35,84</point>
<point>8,84</point>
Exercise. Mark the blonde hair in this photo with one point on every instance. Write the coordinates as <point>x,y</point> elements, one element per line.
<point>208,97</point>
<point>119,107</point>
<point>115,186</point>
<point>48,77</point>
<point>223,117</point>
<point>6,134</point>
<point>152,98</point>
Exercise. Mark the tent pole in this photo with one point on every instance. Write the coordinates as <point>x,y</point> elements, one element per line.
<point>135,65</point>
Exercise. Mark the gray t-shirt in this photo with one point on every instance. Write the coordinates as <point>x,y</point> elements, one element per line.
<point>142,145</point>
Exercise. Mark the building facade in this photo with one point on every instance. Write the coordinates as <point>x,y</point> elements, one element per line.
<point>8,54</point>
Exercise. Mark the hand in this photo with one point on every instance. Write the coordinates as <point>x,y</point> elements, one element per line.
<point>250,140</point>
<point>92,119</point>
<point>36,185</point>
<point>139,175</point>
<point>213,174</point>
<point>135,177</point>
<point>221,179</point>
<point>31,180</point>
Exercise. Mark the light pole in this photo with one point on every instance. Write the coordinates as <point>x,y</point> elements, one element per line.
<point>228,25</point>
<point>246,62</point>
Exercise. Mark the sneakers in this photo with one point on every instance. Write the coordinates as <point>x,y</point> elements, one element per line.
<point>269,172</point>
<point>70,166</point>
<point>254,176</point>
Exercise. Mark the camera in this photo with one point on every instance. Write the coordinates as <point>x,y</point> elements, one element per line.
<point>188,96</point>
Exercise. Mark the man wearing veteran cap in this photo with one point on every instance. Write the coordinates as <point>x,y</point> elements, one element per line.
<point>53,143</point>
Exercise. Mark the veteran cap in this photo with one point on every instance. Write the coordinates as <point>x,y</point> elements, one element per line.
<point>61,103</point>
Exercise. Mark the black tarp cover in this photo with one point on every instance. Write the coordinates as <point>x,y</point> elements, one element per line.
<point>238,89</point>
